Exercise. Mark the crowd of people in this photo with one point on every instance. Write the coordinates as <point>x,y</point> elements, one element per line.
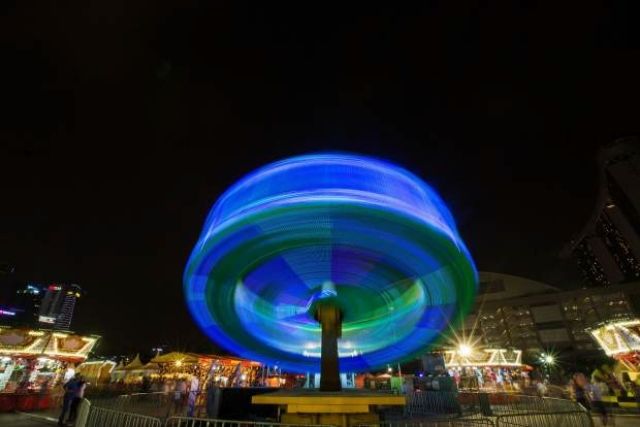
<point>495,378</point>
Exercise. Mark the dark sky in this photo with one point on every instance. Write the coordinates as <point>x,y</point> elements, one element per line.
<point>123,121</point>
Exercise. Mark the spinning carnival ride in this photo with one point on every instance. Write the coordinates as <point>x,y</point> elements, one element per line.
<point>357,234</point>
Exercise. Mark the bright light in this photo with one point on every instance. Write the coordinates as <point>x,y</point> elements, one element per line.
<point>243,377</point>
<point>178,363</point>
<point>465,350</point>
<point>389,369</point>
<point>547,359</point>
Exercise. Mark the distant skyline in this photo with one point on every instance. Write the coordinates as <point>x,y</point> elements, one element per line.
<point>122,126</point>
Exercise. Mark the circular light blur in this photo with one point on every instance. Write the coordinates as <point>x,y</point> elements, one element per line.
<point>364,232</point>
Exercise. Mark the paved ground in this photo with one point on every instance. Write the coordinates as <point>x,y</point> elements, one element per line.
<point>619,421</point>
<point>19,420</point>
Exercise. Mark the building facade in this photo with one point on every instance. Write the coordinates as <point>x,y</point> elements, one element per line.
<point>514,312</point>
<point>607,249</point>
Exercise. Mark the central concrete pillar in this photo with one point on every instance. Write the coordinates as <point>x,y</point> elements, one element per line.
<point>330,319</point>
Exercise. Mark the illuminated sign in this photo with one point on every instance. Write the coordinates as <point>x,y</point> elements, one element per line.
<point>485,358</point>
<point>26,342</point>
<point>7,313</point>
<point>46,319</point>
<point>55,288</point>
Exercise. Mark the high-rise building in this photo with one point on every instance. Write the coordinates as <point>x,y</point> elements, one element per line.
<point>607,249</point>
<point>515,312</point>
<point>26,303</point>
<point>58,303</point>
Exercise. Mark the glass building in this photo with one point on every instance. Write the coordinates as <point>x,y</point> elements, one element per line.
<point>607,249</point>
<point>514,312</point>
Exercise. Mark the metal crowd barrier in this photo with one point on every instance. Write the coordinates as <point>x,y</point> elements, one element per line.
<point>94,416</point>
<point>209,422</point>
<point>434,422</point>
<point>101,417</point>
<point>454,404</point>
<point>433,403</point>
<point>558,419</point>
<point>423,408</point>
<point>160,404</point>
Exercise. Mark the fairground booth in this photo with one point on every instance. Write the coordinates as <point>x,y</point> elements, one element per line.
<point>163,371</point>
<point>222,370</point>
<point>489,369</point>
<point>34,361</point>
<point>621,341</point>
<point>97,372</point>
<point>133,372</point>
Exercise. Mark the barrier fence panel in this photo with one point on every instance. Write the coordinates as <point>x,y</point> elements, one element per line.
<point>558,419</point>
<point>161,405</point>
<point>433,403</point>
<point>434,422</point>
<point>210,422</point>
<point>102,417</point>
<point>464,404</point>
<point>421,408</point>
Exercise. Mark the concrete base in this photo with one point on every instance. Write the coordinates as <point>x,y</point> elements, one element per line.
<point>344,408</point>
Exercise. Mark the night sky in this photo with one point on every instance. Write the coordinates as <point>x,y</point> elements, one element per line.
<point>123,121</point>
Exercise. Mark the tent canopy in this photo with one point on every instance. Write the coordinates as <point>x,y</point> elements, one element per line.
<point>176,356</point>
<point>136,363</point>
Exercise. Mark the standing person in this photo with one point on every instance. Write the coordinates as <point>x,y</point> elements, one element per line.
<point>193,395</point>
<point>595,395</point>
<point>78,395</point>
<point>69,393</point>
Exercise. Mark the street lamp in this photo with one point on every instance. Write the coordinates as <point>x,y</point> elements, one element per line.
<point>548,360</point>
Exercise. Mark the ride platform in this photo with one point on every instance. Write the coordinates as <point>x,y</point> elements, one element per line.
<point>340,408</point>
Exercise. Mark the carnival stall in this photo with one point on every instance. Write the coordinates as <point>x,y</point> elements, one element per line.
<point>223,371</point>
<point>32,360</point>
<point>97,372</point>
<point>37,361</point>
<point>494,369</point>
<point>134,372</point>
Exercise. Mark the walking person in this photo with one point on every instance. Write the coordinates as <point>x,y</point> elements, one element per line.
<point>69,393</point>
<point>595,395</point>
